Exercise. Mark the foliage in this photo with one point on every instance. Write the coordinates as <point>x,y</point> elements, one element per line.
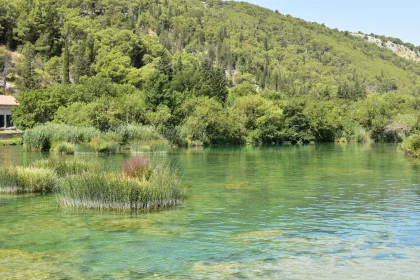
<point>24,180</point>
<point>219,72</point>
<point>411,146</point>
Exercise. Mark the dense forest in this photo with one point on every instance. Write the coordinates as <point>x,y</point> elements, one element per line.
<point>212,72</point>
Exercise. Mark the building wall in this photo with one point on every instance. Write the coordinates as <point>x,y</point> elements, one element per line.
<point>4,112</point>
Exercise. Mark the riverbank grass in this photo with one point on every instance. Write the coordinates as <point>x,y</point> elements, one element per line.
<point>26,179</point>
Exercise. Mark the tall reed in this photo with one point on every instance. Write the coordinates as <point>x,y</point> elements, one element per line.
<point>151,146</point>
<point>24,180</point>
<point>131,132</point>
<point>42,137</point>
<point>64,167</point>
<point>119,191</point>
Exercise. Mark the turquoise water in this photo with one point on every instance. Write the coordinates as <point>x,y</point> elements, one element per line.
<point>326,211</point>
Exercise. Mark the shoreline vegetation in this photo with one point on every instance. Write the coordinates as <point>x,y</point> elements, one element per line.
<point>411,146</point>
<point>80,184</point>
<point>222,73</point>
<point>69,140</point>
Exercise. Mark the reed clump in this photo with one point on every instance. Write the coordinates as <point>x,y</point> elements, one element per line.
<point>41,138</point>
<point>26,179</point>
<point>120,191</point>
<point>98,146</point>
<point>11,142</point>
<point>411,146</point>
<point>65,148</point>
<point>66,139</point>
<point>64,167</point>
<point>150,146</point>
<point>129,133</point>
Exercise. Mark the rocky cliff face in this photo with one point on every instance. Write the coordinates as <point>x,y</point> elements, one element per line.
<point>400,50</point>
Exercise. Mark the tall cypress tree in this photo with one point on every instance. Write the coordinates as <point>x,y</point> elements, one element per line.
<point>66,64</point>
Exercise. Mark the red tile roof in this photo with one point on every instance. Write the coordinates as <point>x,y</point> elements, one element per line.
<point>8,100</point>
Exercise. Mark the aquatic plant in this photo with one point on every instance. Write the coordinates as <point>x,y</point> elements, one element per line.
<point>11,141</point>
<point>42,137</point>
<point>99,146</point>
<point>65,148</point>
<point>26,179</point>
<point>64,167</point>
<point>151,146</point>
<point>119,191</point>
<point>137,167</point>
<point>131,132</point>
<point>411,146</point>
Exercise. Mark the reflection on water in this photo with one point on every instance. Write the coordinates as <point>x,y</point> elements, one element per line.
<point>295,212</point>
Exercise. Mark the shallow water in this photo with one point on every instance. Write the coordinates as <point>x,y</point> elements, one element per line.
<point>294,212</point>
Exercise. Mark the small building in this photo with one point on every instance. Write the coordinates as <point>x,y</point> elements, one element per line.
<point>6,104</point>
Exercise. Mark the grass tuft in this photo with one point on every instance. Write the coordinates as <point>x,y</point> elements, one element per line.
<point>26,179</point>
<point>121,192</point>
<point>41,137</point>
<point>11,142</point>
<point>64,167</point>
<point>65,148</point>
<point>150,146</point>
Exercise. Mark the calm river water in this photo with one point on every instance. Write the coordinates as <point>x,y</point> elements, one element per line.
<point>326,211</point>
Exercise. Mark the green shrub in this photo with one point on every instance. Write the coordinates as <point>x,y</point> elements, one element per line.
<point>23,180</point>
<point>118,191</point>
<point>64,167</point>
<point>352,133</point>
<point>411,146</point>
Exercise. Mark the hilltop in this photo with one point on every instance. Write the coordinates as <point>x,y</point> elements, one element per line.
<point>207,72</point>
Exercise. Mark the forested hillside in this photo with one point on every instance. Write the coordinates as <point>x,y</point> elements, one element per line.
<point>211,72</point>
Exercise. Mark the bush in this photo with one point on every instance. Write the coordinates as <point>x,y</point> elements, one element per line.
<point>137,167</point>
<point>411,146</point>
<point>65,167</point>
<point>118,191</point>
<point>24,180</point>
